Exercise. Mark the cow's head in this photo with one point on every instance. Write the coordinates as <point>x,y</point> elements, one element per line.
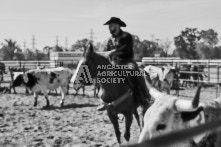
<point>169,113</point>
<point>154,71</point>
<point>18,80</point>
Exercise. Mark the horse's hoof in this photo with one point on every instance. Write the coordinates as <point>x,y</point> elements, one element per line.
<point>35,104</point>
<point>62,104</point>
<point>47,106</point>
<point>101,107</point>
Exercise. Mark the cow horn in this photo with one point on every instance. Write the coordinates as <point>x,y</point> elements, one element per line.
<point>153,91</point>
<point>186,105</point>
<point>196,99</point>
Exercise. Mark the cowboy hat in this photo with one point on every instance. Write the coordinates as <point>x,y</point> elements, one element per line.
<point>116,20</point>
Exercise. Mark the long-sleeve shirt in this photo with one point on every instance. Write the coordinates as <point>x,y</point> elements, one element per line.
<point>123,43</point>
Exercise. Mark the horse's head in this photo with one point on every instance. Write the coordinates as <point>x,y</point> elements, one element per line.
<point>92,60</point>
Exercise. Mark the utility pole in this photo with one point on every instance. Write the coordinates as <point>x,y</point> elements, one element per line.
<point>152,37</point>
<point>24,45</point>
<point>66,43</point>
<point>91,35</point>
<point>33,42</point>
<point>57,41</point>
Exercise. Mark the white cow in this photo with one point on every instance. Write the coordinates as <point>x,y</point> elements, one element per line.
<point>170,113</point>
<point>41,80</point>
<point>161,77</point>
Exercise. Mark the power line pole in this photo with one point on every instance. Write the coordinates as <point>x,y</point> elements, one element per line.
<point>66,43</point>
<point>152,38</point>
<point>33,42</point>
<point>24,45</point>
<point>91,35</point>
<point>57,41</point>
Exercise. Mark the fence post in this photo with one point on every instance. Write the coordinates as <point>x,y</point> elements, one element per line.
<point>19,63</point>
<point>177,80</point>
<point>217,84</point>
<point>208,64</point>
<point>198,75</point>
<point>12,80</point>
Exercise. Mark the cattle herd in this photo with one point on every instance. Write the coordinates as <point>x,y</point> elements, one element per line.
<point>167,113</point>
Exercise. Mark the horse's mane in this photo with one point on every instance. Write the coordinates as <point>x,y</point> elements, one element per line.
<point>96,56</point>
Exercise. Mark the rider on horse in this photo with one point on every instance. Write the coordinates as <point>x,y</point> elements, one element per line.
<point>120,51</point>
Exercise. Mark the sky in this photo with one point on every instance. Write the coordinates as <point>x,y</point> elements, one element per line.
<point>73,19</point>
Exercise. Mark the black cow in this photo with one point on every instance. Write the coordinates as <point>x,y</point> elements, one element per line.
<point>184,74</point>
<point>197,73</point>
<point>2,71</point>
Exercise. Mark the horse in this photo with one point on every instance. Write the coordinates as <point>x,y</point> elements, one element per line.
<point>116,96</point>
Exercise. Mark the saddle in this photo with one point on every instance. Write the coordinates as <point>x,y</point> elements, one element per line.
<point>136,84</point>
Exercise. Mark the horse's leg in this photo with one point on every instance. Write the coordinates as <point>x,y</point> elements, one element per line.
<point>95,90</point>
<point>137,118</point>
<point>67,89</point>
<point>128,121</point>
<point>114,120</point>
<point>83,89</point>
<point>143,111</point>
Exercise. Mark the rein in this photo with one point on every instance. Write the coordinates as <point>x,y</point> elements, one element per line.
<point>118,101</point>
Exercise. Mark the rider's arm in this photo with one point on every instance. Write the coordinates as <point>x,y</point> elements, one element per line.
<point>107,53</point>
<point>126,43</point>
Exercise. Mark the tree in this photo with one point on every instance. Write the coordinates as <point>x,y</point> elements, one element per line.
<point>138,48</point>
<point>30,55</point>
<point>11,50</point>
<point>79,44</point>
<point>47,50</point>
<point>165,45</point>
<point>216,53</point>
<point>186,43</point>
<point>151,48</point>
<point>99,46</point>
<point>209,37</point>
<point>203,51</point>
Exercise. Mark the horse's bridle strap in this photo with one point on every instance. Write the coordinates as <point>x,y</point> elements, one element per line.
<point>119,100</point>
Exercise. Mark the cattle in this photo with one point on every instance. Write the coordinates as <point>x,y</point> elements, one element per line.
<point>2,71</point>
<point>161,78</point>
<point>179,136</point>
<point>82,84</point>
<point>198,73</point>
<point>81,80</point>
<point>16,75</point>
<point>170,113</point>
<point>184,74</point>
<point>40,80</point>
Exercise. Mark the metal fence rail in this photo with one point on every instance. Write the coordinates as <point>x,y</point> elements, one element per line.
<point>211,69</point>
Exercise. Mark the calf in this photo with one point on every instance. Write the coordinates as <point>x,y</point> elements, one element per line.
<point>170,113</point>
<point>40,80</point>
